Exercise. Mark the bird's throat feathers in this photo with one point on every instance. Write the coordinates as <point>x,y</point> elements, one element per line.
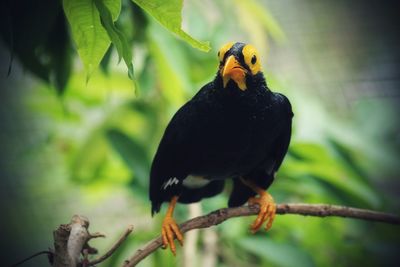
<point>256,83</point>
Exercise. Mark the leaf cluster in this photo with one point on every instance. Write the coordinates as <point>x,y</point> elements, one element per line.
<point>37,33</point>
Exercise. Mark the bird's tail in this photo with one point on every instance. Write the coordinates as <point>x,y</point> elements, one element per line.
<point>155,207</point>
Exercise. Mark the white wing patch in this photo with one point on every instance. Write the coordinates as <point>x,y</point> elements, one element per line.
<point>171,181</point>
<point>193,181</point>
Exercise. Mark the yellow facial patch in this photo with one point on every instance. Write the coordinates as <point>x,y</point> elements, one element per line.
<point>251,58</point>
<point>223,50</point>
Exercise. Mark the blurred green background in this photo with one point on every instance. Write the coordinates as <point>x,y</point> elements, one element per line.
<point>75,146</point>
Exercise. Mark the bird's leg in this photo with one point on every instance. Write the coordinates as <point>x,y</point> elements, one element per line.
<point>170,229</point>
<point>267,207</point>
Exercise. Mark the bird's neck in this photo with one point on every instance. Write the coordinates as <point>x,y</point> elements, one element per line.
<point>234,99</point>
<point>255,84</point>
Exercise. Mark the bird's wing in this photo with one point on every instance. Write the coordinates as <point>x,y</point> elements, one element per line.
<point>171,163</point>
<point>282,142</point>
<point>280,133</point>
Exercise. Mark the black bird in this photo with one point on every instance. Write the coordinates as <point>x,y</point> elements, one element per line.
<point>235,128</point>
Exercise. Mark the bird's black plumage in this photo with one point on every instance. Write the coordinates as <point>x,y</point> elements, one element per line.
<point>222,133</point>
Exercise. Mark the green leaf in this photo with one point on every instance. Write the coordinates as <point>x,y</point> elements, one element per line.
<point>132,152</point>
<point>105,61</point>
<point>117,36</point>
<point>169,14</point>
<point>91,38</point>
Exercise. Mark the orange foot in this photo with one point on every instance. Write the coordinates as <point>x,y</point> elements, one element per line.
<point>169,230</point>
<point>267,211</point>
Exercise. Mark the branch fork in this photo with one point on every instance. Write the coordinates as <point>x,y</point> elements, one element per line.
<point>71,248</point>
<point>71,241</point>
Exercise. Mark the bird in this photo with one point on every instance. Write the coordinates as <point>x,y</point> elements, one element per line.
<point>234,128</point>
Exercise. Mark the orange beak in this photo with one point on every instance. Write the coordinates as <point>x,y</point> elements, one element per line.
<point>233,70</point>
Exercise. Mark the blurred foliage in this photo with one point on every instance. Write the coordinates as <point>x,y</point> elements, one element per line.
<point>93,29</point>
<point>107,135</point>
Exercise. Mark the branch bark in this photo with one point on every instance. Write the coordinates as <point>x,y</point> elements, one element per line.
<point>221,215</point>
<point>71,241</point>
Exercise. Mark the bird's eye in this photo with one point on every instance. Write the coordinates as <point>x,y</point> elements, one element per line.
<point>219,56</point>
<point>253,59</point>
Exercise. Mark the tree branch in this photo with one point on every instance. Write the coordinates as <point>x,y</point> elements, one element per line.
<point>71,241</point>
<point>221,215</point>
<point>113,248</point>
<point>48,253</point>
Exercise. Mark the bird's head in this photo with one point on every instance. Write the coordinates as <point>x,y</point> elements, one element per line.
<point>238,62</point>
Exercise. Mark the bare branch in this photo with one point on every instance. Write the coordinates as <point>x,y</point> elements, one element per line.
<point>113,248</point>
<point>97,235</point>
<point>48,253</point>
<point>71,240</point>
<point>221,215</point>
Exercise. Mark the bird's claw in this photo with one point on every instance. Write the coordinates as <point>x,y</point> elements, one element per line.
<point>266,214</point>
<point>169,231</point>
